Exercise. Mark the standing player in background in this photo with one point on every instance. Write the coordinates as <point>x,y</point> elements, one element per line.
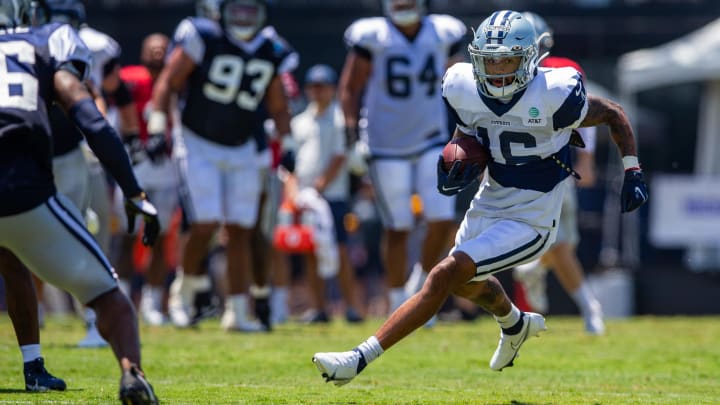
<point>154,168</point>
<point>392,73</point>
<point>561,257</point>
<point>524,115</point>
<point>226,69</point>
<point>39,226</point>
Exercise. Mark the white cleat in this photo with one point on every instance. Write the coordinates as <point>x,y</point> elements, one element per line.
<point>178,314</point>
<point>230,323</point>
<point>339,367</point>
<point>594,324</point>
<point>509,345</point>
<point>153,317</point>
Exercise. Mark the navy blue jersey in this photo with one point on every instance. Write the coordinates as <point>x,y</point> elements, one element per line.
<point>29,60</point>
<point>231,79</point>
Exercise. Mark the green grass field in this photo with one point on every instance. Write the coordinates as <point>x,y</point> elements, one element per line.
<point>647,360</point>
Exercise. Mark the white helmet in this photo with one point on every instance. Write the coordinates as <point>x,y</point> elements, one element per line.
<point>241,19</point>
<point>404,12</point>
<point>14,13</point>
<point>504,34</point>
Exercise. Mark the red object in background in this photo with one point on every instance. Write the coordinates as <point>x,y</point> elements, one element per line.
<point>142,254</point>
<point>290,235</point>
<point>559,62</point>
<point>140,83</point>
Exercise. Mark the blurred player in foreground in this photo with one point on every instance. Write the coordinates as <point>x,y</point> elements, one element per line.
<point>38,225</point>
<point>525,116</point>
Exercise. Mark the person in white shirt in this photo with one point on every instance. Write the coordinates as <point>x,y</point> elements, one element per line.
<point>320,164</point>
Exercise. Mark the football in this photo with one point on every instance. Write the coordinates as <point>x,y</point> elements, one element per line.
<point>467,150</point>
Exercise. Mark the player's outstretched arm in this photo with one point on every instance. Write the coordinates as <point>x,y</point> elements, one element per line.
<point>75,99</point>
<point>172,79</point>
<point>603,111</point>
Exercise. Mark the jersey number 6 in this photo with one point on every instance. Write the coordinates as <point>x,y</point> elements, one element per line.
<point>226,77</point>
<point>17,88</point>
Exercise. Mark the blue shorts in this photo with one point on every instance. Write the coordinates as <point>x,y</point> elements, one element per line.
<point>339,210</point>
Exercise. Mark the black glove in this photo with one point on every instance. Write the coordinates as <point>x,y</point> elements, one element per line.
<point>141,206</point>
<point>157,148</point>
<point>634,191</point>
<point>134,148</point>
<point>457,179</point>
<point>288,146</point>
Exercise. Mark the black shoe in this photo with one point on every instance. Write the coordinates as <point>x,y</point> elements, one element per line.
<point>205,306</point>
<point>37,379</point>
<point>352,316</point>
<point>262,312</point>
<point>314,316</point>
<point>135,390</point>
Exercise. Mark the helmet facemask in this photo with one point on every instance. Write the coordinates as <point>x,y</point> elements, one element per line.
<point>490,49</point>
<point>241,19</point>
<point>404,12</point>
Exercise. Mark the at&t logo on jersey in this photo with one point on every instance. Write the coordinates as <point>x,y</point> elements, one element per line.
<point>534,119</point>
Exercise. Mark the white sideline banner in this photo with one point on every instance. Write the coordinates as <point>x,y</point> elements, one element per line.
<point>684,210</point>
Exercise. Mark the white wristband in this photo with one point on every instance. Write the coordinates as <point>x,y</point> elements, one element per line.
<point>630,162</point>
<point>157,122</point>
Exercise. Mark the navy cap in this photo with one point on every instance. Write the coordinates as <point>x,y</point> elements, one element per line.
<point>320,74</point>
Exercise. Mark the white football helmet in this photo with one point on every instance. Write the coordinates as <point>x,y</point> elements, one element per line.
<point>404,12</point>
<point>241,19</point>
<point>208,9</point>
<point>14,13</point>
<point>505,34</point>
<point>544,33</point>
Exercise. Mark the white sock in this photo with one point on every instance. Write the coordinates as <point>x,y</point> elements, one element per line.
<point>90,316</point>
<point>279,303</point>
<point>238,304</point>
<point>397,297</point>
<point>509,320</point>
<point>198,282</point>
<point>152,297</point>
<point>30,352</point>
<point>370,349</point>
<point>583,297</point>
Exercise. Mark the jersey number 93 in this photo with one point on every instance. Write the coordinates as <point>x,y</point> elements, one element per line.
<point>226,78</point>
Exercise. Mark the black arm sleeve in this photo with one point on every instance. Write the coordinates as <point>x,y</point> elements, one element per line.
<point>105,142</point>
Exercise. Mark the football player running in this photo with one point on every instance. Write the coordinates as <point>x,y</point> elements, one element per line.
<point>524,115</point>
<point>40,227</point>
<point>561,256</point>
<point>392,74</point>
<point>226,69</point>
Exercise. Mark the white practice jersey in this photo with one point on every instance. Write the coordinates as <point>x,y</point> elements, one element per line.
<point>402,102</point>
<point>103,48</point>
<point>527,137</point>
